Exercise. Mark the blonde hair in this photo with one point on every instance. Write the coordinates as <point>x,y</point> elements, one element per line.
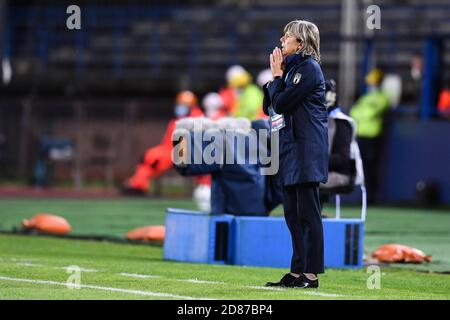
<point>308,33</point>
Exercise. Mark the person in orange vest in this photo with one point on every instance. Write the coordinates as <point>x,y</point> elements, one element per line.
<point>229,94</point>
<point>444,102</point>
<point>157,160</point>
<point>262,79</point>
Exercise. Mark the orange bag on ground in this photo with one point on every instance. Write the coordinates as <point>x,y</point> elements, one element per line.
<point>400,253</point>
<point>47,223</point>
<point>149,233</point>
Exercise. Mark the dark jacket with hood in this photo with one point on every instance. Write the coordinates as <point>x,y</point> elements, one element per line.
<point>300,96</point>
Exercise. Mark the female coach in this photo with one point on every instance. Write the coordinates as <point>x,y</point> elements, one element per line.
<point>295,101</point>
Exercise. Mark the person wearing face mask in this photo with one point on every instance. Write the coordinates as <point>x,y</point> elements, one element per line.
<point>369,113</point>
<point>341,166</point>
<point>214,106</point>
<point>157,160</point>
<point>295,102</point>
<point>345,169</point>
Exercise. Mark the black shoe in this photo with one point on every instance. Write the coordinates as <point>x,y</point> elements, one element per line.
<point>304,282</point>
<point>287,281</point>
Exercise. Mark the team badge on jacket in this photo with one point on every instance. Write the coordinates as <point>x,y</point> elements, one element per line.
<point>297,78</point>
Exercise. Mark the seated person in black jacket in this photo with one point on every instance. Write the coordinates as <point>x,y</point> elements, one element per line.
<point>341,166</point>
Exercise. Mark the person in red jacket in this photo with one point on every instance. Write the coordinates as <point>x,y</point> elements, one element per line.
<point>157,160</point>
<point>214,106</point>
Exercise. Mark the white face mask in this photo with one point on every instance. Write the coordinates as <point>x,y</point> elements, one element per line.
<point>330,96</point>
<point>181,110</point>
<point>210,113</point>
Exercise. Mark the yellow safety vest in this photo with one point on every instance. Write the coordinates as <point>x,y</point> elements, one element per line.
<point>368,114</point>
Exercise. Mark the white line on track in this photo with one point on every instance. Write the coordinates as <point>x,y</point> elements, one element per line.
<point>129,291</point>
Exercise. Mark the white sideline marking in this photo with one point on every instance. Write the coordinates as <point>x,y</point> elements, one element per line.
<point>333,295</point>
<point>81,269</point>
<point>18,260</point>
<point>145,276</point>
<point>265,288</point>
<point>135,275</point>
<point>137,292</point>
<point>199,281</point>
<point>29,264</point>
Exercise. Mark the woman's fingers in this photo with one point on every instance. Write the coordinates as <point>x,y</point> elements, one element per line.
<point>279,55</point>
<point>272,63</point>
<point>276,61</point>
<point>275,55</point>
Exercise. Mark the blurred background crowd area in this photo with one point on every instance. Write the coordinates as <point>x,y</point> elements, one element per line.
<point>108,89</point>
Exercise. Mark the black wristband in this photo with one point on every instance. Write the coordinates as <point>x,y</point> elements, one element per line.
<point>276,77</point>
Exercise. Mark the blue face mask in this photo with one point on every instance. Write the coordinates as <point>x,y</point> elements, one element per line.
<point>372,89</point>
<point>181,110</point>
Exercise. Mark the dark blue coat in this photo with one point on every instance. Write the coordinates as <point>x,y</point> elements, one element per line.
<point>300,96</point>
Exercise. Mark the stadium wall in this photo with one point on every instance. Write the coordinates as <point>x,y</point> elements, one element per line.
<point>416,151</point>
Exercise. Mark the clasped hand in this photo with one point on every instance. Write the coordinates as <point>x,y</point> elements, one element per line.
<point>277,62</point>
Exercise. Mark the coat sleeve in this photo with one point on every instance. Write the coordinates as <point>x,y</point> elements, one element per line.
<point>266,100</point>
<point>285,98</point>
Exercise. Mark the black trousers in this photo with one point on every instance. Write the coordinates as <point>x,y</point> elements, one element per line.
<point>370,151</point>
<point>302,212</point>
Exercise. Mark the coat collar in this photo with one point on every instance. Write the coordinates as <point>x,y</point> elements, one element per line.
<point>294,59</point>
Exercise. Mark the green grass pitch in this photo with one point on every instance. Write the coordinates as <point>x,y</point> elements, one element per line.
<point>34,267</point>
